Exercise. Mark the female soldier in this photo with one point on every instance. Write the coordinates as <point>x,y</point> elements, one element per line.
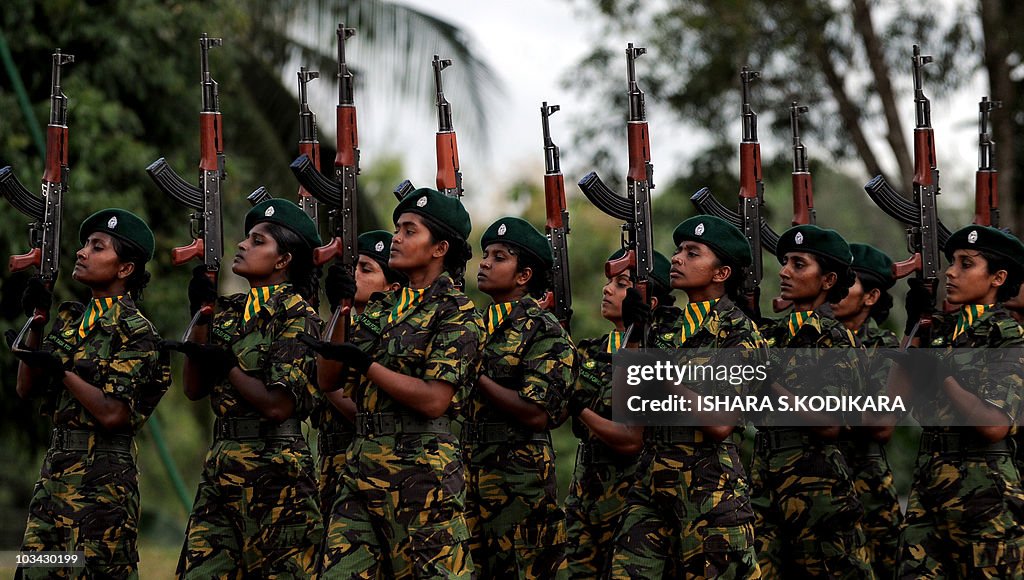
<point>608,452</point>
<point>865,307</point>
<point>689,514</point>
<point>808,514</point>
<point>256,511</point>
<point>528,366</point>
<point>966,503</point>
<point>336,414</point>
<point>101,375</point>
<point>412,357</point>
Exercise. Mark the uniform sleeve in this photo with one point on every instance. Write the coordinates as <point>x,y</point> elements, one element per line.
<point>137,374</point>
<point>550,368</point>
<point>454,348</point>
<point>290,364</point>
<point>996,373</point>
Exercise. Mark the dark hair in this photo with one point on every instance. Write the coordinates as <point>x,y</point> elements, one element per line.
<point>879,310</point>
<point>663,294</point>
<point>1014,275</point>
<point>459,250</point>
<point>845,277</point>
<point>139,278</point>
<point>734,283</point>
<point>540,282</point>
<point>301,272</point>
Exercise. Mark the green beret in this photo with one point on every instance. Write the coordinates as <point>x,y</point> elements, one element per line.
<point>376,245</point>
<point>519,233</point>
<point>987,238</point>
<point>724,239</point>
<point>872,262</point>
<point>286,214</point>
<point>438,209</point>
<point>814,240</point>
<point>662,267</point>
<point>123,225</point>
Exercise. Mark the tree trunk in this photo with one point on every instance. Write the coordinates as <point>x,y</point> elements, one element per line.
<point>880,72</point>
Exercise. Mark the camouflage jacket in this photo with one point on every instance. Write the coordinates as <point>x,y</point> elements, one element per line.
<point>997,380</point>
<point>531,353</point>
<point>876,369</point>
<point>595,380</point>
<point>438,339</point>
<point>808,373</point>
<point>268,348</point>
<point>871,335</point>
<point>119,355</point>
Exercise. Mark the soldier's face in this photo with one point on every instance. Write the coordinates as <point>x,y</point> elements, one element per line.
<point>412,246</point>
<point>856,301</point>
<point>611,297</point>
<point>259,257</point>
<point>498,276</point>
<point>369,279</point>
<point>97,264</point>
<point>694,265</point>
<point>801,278</point>
<point>968,280</point>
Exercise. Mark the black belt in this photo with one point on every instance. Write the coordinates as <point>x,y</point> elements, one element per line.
<point>779,439</point>
<point>371,424</point>
<point>595,453</point>
<point>672,435</point>
<point>64,439</point>
<point>945,443</point>
<point>250,428</point>
<point>486,433</point>
<point>853,448</point>
<point>334,443</point>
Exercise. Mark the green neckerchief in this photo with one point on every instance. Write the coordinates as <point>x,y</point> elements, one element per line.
<point>615,340</point>
<point>496,314</point>
<point>97,308</point>
<point>796,320</point>
<point>256,299</point>
<point>693,317</point>
<point>408,298</point>
<point>967,315</point>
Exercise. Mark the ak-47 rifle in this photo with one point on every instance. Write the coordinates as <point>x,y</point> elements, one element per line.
<point>559,299</point>
<point>449,176</point>
<point>986,179</point>
<point>46,210</point>
<point>339,194</point>
<point>926,234</point>
<point>749,218</point>
<point>635,208</point>
<point>204,200</point>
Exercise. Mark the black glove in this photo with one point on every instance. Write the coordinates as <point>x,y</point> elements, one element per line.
<point>920,302</point>
<point>36,296</point>
<point>43,360</point>
<point>216,360</point>
<point>201,290</point>
<point>578,401</point>
<point>634,310</point>
<point>345,352</point>
<point>9,337</point>
<point>339,285</point>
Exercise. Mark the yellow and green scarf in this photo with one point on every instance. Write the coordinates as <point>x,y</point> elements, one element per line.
<point>967,315</point>
<point>97,308</point>
<point>693,317</point>
<point>615,340</point>
<point>796,320</point>
<point>496,314</point>
<point>256,299</point>
<point>408,298</point>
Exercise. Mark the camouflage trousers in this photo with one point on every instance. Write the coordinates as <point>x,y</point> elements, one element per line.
<point>688,516</point>
<point>89,503</point>
<point>964,518</point>
<point>331,467</point>
<point>256,513</point>
<point>883,519</point>
<point>593,510</point>
<point>517,528</point>
<point>808,517</point>
<point>400,513</point>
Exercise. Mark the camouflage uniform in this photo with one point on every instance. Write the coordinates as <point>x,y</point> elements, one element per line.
<point>88,500</point>
<point>869,466</point>
<point>256,511</point>
<point>966,502</point>
<point>689,513</point>
<point>335,434</point>
<point>400,513</point>
<point>517,527</point>
<point>808,515</point>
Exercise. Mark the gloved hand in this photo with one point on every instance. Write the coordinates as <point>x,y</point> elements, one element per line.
<point>36,296</point>
<point>345,352</point>
<point>201,290</point>
<point>578,401</point>
<point>216,360</point>
<point>339,285</point>
<point>920,302</point>
<point>634,310</point>
<point>42,360</point>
